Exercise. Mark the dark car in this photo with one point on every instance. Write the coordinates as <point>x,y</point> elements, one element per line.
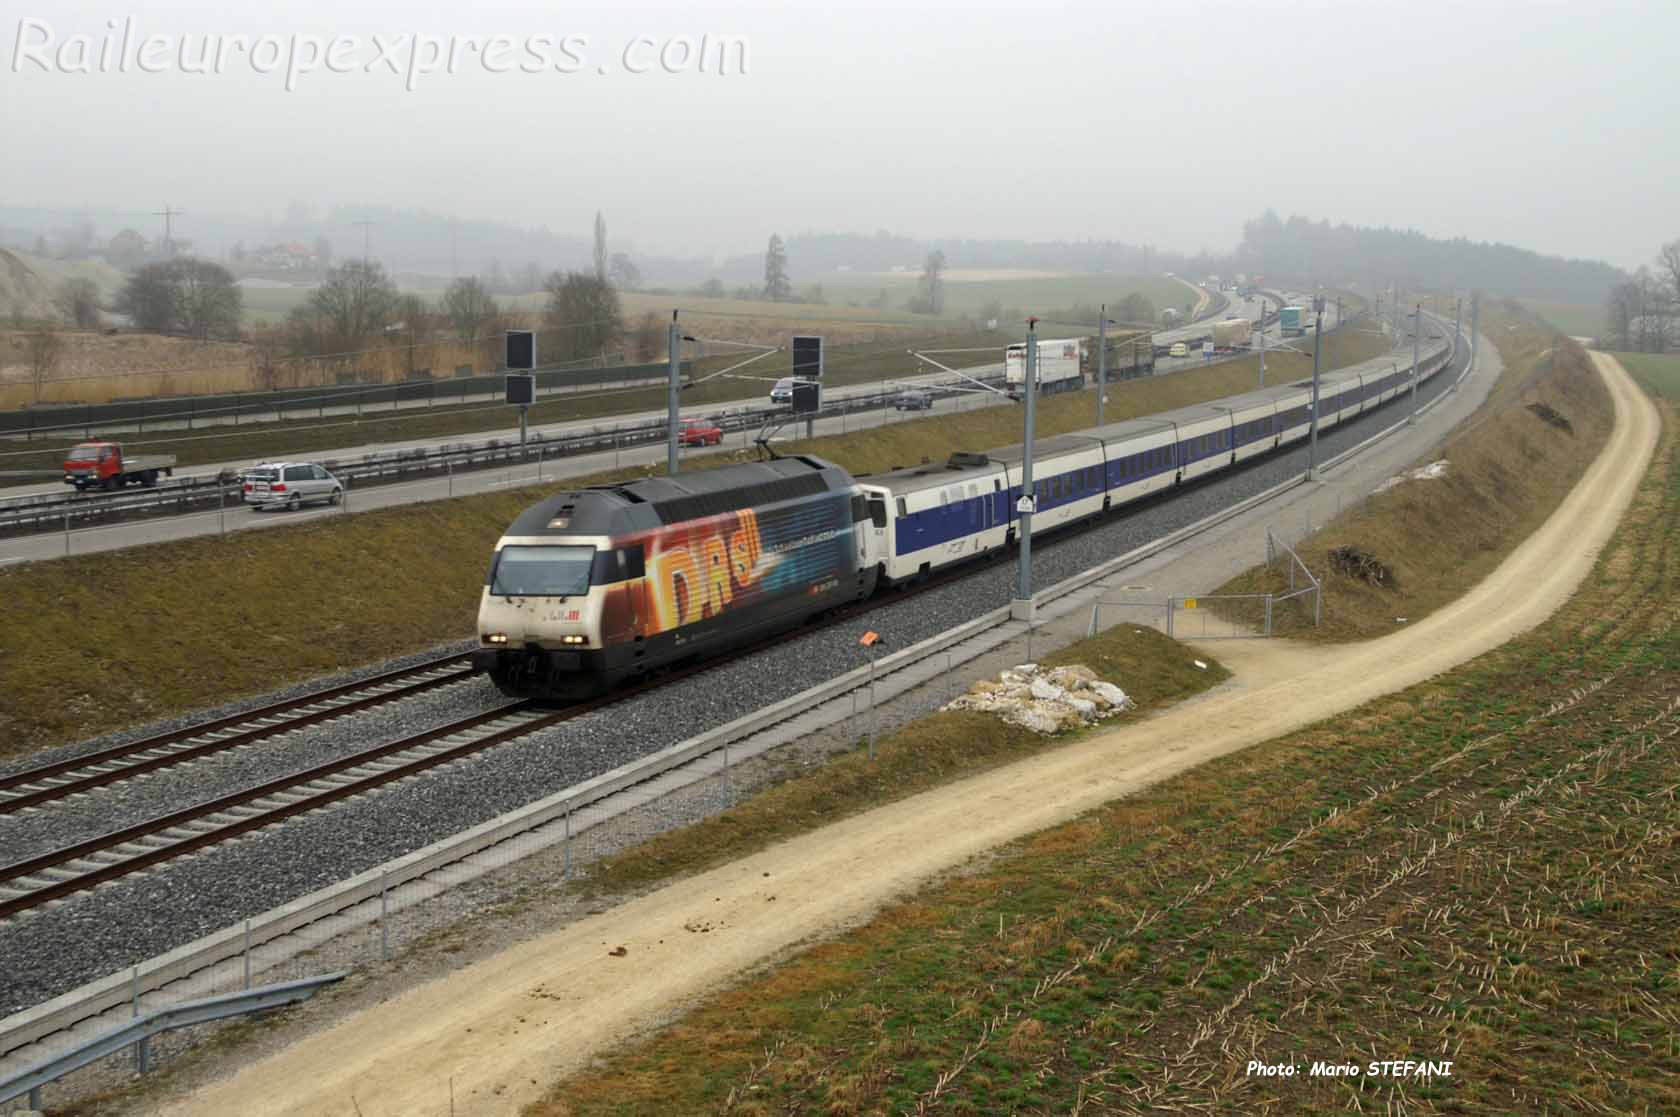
<point>913,400</point>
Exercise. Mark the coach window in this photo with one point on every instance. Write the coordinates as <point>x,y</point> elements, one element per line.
<point>901,512</point>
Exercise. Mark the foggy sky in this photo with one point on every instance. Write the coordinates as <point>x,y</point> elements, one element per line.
<point>1550,126</point>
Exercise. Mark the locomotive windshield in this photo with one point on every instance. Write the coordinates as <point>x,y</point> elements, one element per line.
<point>541,571</point>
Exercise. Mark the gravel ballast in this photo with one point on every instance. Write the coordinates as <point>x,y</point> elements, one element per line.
<point>134,919</point>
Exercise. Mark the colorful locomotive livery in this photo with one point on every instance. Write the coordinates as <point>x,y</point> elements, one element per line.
<point>590,588</point>
<point>703,569</point>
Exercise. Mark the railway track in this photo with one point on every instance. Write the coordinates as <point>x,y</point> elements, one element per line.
<point>32,787</point>
<point>34,882</point>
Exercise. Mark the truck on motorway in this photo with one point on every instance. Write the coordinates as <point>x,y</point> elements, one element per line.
<point>1292,321</point>
<point>1232,333</point>
<point>104,464</point>
<point>1061,365</point>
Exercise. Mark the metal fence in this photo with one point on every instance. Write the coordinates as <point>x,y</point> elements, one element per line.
<point>1224,616</point>
<point>138,1033</point>
<point>191,412</point>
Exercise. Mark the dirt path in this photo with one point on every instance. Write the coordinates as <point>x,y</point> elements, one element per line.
<point>501,1030</point>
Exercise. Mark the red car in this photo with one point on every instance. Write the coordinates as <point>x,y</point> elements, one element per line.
<point>697,433</point>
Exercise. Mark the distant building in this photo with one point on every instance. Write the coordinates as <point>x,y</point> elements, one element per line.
<point>284,257</point>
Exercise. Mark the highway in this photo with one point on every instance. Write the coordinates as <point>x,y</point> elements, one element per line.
<point>234,518</point>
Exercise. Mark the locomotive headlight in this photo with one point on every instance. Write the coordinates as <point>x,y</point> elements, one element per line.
<point>574,639</point>
<point>496,638</point>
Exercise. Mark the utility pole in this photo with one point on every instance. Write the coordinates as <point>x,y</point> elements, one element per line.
<point>366,226</point>
<point>1022,607</point>
<point>1458,307</point>
<point>1417,331</point>
<point>673,340</point>
<point>168,229</point>
<point>1318,338</point>
<point>1102,359</point>
<point>1262,343</point>
<point>1475,312</point>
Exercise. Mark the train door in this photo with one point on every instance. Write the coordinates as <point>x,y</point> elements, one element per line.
<point>873,543</point>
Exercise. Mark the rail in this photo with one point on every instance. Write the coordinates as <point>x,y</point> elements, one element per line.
<point>103,994</point>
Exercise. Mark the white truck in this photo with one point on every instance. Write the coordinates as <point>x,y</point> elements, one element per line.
<point>1233,333</point>
<point>1061,365</point>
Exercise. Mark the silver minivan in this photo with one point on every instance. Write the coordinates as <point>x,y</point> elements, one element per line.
<point>289,485</point>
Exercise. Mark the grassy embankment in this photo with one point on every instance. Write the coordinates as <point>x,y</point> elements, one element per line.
<point>96,642</point>
<point>1659,372</point>
<point>1509,463</point>
<point>1574,319</point>
<point>1475,869</point>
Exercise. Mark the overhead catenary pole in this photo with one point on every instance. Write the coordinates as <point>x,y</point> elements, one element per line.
<point>1102,359</point>
<point>1458,308</point>
<point>1318,337</point>
<point>1022,607</point>
<point>1417,331</point>
<point>673,340</point>
<point>1475,311</point>
<point>1262,343</point>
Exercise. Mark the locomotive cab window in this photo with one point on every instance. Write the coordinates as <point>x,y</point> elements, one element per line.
<point>878,511</point>
<point>540,571</point>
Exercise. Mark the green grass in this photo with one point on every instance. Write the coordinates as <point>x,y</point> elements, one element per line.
<point>1574,319</point>
<point>1659,372</point>
<point>1027,295</point>
<point>937,749</point>
<point>1507,463</point>
<point>93,643</point>
<point>105,640</point>
<point>1476,869</point>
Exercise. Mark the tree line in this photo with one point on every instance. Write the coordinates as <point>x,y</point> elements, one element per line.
<point>1642,314</point>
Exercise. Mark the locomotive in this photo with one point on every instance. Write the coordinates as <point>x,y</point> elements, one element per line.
<point>607,584</point>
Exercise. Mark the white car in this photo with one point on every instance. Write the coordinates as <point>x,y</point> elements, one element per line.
<point>289,485</point>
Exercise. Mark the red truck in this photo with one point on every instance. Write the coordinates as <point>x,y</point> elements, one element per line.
<point>104,464</point>
<point>695,432</point>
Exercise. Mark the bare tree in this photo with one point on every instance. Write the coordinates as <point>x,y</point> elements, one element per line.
<point>600,247</point>
<point>148,298</point>
<point>207,301</point>
<point>470,309</point>
<point>932,297</point>
<point>583,314</point>
<point>45,350</point>
<point>1622,310</point>
<point>777,286</point>
<point>414,319</point>
<point>356,302</point>
<point>623,272</point>
<point>185,294</point>
<point>1668,265</point>
<point>78,300</point>
<point>265,357</point>
<point>649,338</point>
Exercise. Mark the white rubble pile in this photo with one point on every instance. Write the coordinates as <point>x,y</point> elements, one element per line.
<point>1045,701</point>
<point>1431,472</point>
